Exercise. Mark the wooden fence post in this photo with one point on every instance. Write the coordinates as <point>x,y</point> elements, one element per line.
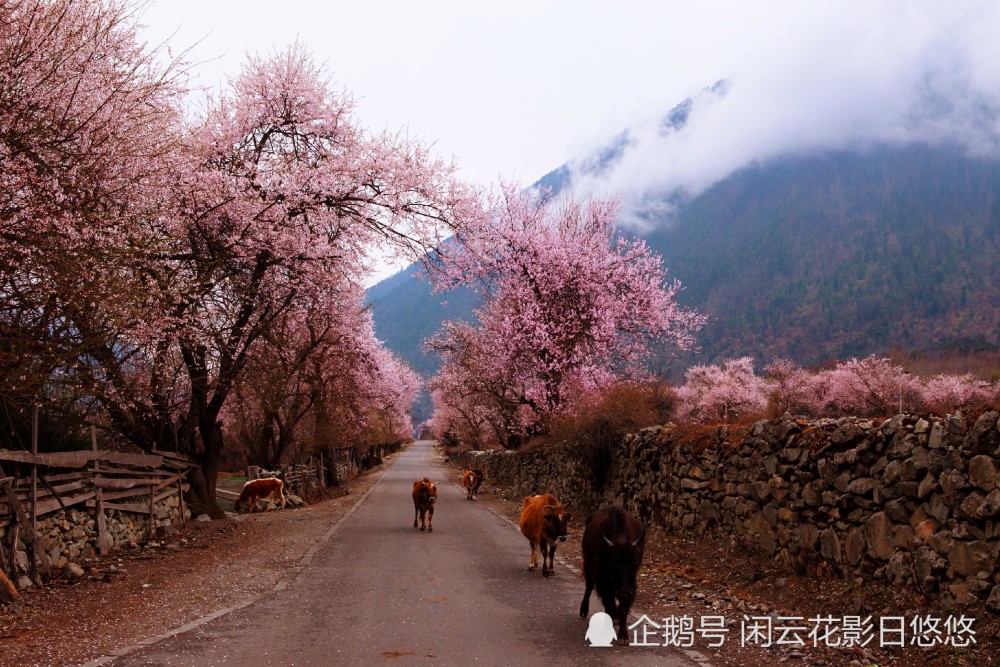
<point>12,532</point>
<point>34,490</point>
<point>180,499</point>
<point>152,519</point>
<point>14,528</point>
<point>103,543</point>
<point>8,592</point>
<point>22,520</point>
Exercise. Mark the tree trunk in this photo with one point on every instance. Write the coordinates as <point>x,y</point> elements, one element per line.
<point>512,441</point>
<point>199,498</point>
<point>203,497</point>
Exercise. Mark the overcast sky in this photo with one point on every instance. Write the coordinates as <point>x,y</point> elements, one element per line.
<point>514,89</point>
<point>511,89</point>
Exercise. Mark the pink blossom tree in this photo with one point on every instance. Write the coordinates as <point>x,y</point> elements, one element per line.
<point>282,384</point>
<point>722,392</point>
<point>795,389</point>
<point>379,388</point>
<point>870,386</point>
<point>472,403</point>
<point>279,202</point>
<point>88,135</point>
<point>946,393</point>
<point>567,302</point>
<point>366,404</point>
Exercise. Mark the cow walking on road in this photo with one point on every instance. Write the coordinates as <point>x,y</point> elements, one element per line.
<point>543,522</point>
<point>425,493</point>
<point>471,479</point>
<point>613,544</point>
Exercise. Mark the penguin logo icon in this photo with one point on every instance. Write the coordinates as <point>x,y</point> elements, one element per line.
<point>601,631</point>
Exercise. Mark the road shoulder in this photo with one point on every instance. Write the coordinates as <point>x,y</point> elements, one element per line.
<point>136,597</point>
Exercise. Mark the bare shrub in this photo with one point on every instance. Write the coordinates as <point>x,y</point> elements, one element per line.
<point>599,421</point>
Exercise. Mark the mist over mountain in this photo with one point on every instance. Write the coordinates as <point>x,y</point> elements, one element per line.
<point>809,83</point>
<point>816,254</point>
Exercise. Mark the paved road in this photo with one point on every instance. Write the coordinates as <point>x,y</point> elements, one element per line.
<point>382,592</point>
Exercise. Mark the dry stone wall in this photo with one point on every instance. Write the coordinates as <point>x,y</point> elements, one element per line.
<point>69,536</point>
<point>912,501</point>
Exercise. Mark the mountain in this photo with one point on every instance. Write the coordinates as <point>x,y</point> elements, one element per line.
<point>843,254</point>
<point>814,257</point>
<point>406,312</point>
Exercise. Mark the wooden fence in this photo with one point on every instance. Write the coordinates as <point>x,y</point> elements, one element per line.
<point>299,478</point>
<point>94,479</point>
<point>346,463</point>
<point>350,461</point>
<point>310,478</point>
<point>104,481</point>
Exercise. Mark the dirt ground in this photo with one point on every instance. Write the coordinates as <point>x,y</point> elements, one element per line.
<point>135,594</point>
<point>140,593</point>
<point>715,576</point>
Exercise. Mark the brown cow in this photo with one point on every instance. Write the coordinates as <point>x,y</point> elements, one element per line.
<point>471,480</point>
<point>543,522</point>
<point>258,489</point>
<point>425,493</point>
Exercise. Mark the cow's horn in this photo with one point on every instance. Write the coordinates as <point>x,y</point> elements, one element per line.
<point>549,507</point>
<point>610,543</point>
<point>639,539</point>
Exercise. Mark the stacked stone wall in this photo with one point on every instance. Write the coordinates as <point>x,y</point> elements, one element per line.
<point>69,536</point>
<point>912,501</point>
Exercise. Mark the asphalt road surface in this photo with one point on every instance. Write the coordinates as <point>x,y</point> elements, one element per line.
<point>381,592</point>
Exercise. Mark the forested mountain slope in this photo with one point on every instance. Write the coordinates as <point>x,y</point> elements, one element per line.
<point>843,255</point>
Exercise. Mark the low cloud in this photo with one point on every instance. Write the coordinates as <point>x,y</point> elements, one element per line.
<point>820,77</point>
